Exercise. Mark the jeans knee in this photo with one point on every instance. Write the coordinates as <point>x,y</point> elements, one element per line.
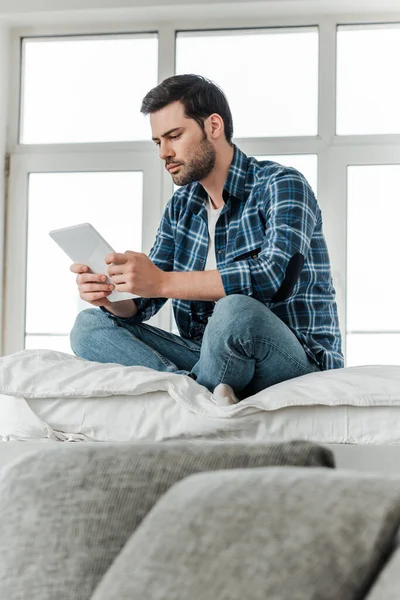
<point>86,323</point>
<point>234,311</point>
<point>239,313</point>
<point>233,303</point>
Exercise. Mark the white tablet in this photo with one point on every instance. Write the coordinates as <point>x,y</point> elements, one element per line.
<point>84,245</point>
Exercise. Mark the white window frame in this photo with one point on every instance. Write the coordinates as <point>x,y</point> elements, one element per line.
<point>17,218</point>
<point>334,153</point>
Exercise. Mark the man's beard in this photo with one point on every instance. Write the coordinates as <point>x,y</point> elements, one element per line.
<point>198,167</point>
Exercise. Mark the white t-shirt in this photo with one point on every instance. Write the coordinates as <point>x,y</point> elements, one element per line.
<point>213,214</point>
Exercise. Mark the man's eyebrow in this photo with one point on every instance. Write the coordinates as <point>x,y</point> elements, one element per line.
<point>167,133</point>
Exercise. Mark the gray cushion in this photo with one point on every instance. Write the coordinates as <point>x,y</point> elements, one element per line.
<point>66,511</point>
<point>280,534</point>
<point>387,587</point>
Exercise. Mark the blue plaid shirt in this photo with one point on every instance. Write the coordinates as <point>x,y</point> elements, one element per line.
<point>269,245</point>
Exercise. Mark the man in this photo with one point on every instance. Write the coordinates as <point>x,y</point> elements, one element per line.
<point>241,251</point>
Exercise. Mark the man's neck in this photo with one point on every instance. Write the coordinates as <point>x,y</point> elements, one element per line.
<point>214,183</point>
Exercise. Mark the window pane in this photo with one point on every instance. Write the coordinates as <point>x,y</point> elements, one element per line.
<point>368,80</point>
<point>270,76</point>
<point>49,342</point>
<point>87,90</point>
<point>111,201</point>
<point>373,283</point>
<point>307,164</point>
<point>373,349</point>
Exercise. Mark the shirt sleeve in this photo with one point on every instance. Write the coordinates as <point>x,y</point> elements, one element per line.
<point>291,216</point>
<point>162,255</point>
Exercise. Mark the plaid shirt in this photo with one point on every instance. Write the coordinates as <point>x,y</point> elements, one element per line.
<point>269,245</point>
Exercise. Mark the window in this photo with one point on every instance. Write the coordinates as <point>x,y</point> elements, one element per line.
<point>317,95</point>
<point>270,79</point>
<point>86,90</point>
<point>118,192</point>
<point>58,200</point>
<point>373,287</point>
<point>368,79</point>
<point>80,98</point>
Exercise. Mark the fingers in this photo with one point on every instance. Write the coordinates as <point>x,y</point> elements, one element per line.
<point>115,258</point>
<point>94,296</point>
<point>90,278</point>
<point>95,287</point>
<point>77,268</point>
<point>113,270</point>
<point>118,279</point>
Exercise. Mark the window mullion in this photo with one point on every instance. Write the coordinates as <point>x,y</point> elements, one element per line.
<point>327,80</point>
<point>166,68</point>
<point>16,258</point>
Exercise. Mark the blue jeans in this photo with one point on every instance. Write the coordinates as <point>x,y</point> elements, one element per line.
<point>244,345</point>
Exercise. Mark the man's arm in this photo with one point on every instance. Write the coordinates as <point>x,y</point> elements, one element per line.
<point>273,274</point>
<point>270,277</point>
<point>134,272</point>
<point>193,285</point>
<point>291,216</point>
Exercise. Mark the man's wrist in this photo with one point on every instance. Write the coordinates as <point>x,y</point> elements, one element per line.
<point>164,286</point>
<point>124,309</point>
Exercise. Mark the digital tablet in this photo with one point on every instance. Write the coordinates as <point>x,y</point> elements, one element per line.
<point>84,245</point>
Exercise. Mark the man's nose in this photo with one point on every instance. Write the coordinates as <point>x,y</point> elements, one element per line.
<point>166,151</point>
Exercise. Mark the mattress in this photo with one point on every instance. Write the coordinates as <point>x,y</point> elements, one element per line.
<point>47,395</point>
<point>156,418</point>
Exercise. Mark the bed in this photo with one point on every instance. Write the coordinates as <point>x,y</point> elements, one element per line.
<point>50,397</point>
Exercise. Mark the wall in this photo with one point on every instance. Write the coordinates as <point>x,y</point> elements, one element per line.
<point>4,76</point>
<point>26,12</point>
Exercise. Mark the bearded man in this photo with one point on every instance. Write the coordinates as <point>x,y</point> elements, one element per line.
<point>241,251</point>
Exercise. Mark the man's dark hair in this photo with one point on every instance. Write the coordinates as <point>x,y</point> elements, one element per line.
<point>200,98</point>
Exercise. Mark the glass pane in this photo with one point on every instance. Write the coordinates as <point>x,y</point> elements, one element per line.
<point>368,80</point>
<point>87,90</point>
<point>373,284</point>
<point>373,349</point>
<point>307,164</point>
<point>111,201</point>
<point>261,72</point>
<point>49,342</point>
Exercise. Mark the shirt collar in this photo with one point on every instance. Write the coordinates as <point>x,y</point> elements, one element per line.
<point>234,183</point>
<point>236,178</point>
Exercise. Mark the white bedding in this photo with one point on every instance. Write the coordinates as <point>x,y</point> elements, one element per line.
<point>47,395</point>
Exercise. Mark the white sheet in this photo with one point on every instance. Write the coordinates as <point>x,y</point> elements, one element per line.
<point>48,395</point>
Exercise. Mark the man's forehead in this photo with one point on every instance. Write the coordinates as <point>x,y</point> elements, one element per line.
<point>170,117</point>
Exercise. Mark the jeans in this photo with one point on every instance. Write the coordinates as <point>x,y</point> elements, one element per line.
<point>244,345</point>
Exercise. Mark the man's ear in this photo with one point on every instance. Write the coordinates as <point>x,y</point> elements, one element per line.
<point>216,126</point>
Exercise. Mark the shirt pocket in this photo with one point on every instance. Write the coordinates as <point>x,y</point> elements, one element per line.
<point>252,253</point>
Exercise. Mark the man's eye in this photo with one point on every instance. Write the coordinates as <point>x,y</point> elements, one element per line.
<point>175,137</point>
<point>157,143</point>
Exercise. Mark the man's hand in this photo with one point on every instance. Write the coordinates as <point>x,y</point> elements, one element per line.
<point>94,288</point>
<point>135,273</point>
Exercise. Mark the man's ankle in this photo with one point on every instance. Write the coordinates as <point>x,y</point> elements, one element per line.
<point>224,395</point>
